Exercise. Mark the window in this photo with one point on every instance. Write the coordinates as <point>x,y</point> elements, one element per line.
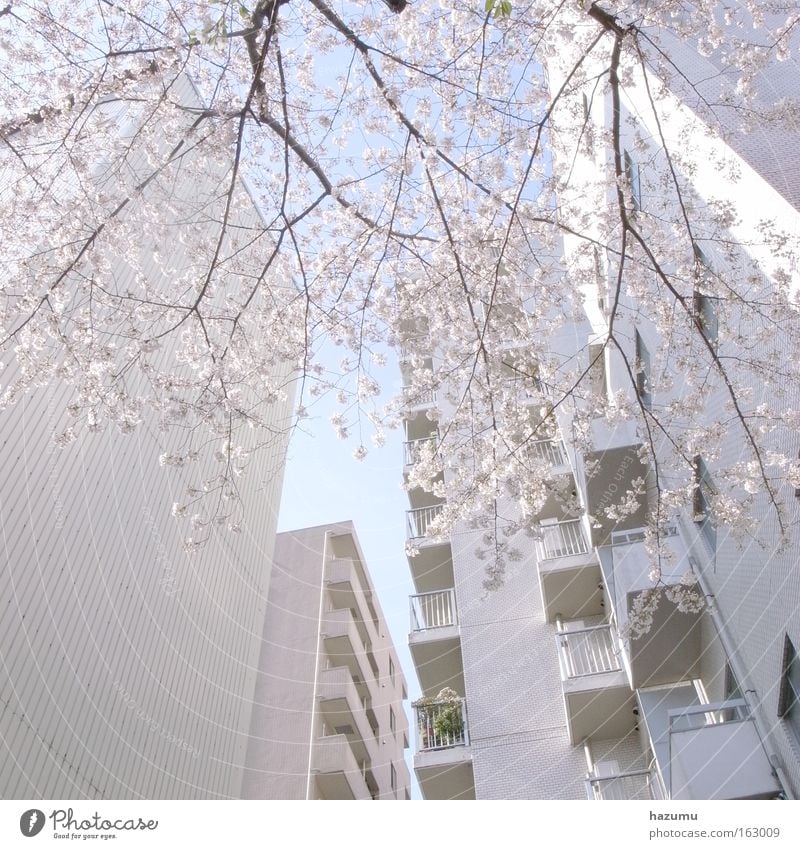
<point>797,488</point>
<point>642,372</point>
<point>733,692</point>
<point>587,125</point>
<point>703,494</point>
<point>634,180</point>
<point>705,314</point>
<point>391,670</point>
<point>392,724</point>
<point>393,777</point>
<point>705,306</point>
<point>598,384</point>
<point>789,694</point>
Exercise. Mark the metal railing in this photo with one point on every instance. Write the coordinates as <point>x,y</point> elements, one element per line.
<point>699,716</point>
<point>562,539</point>
<point>550,450</point>
<point>415,396</point>
<point>588,651</point>
<point>411,448</point>
<point>442,725</point>
<point>420,519</point>
<point>433,610</point>
<point>637,784</point>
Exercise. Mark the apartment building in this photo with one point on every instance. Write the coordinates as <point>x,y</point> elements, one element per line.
<point>329,720</point>
<point>127,662</point>
<point>546,686</point>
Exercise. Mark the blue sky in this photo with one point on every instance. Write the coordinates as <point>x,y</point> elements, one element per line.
<point>324,483</point>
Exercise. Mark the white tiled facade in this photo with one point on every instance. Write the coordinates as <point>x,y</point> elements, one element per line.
<point>555,704</point>
<point>127,664</point>
<point>329,720</point>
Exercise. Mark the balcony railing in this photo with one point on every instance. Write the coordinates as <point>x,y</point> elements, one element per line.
<point>637,784</point>
<point>414,396</point>
<point>412,446</point>
<point>587,651</point>
<point>700,716</point>
<point>549,450</point>
<point>419,520</point>
<point>562,539</point>
<point>442,725</point>
<point>433,610</point>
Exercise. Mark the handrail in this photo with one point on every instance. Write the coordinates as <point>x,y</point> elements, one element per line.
<point>562,539</point>
<point>419,519</point>
<point>588,651</point>
<point>433,610</point>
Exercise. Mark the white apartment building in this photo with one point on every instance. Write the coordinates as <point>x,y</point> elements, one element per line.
<point>328,720</point>
<point>556,699</point>
<point>127,664</point>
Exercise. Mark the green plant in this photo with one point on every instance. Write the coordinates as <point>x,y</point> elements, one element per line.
<point>448,722</point>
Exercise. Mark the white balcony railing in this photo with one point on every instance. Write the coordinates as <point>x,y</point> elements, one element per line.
<point>433,610</point>
<point>420,519</point>
<point>412,446</point>
<point>588,651</point>
<point>700,716</point>
<point>442,725</point>
<point>549,450</point>
<point>414,396</point>
<point>637,784</point>
<point>562,539</point>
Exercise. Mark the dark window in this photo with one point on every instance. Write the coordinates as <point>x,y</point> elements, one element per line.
<point>393,776</point>
<point>789,693</point>
<point>391,719</point>
<point>703,495</point>
<point>634,180</point>
<point>643,372</point>
<point>705,314</point>
<point>705,306</point>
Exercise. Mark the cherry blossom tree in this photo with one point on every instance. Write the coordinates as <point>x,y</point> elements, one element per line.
<point>196,194</point>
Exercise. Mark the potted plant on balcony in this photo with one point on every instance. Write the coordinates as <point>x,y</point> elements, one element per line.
<point>440,719</point>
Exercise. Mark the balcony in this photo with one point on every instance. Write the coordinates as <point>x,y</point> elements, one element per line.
<point>637,784</point>
<point>338,775</point>
<point>416,398</point>
<point>598,700</point>
<point>411,448</point>
<point>443,762</point>
<point>705,751</point>
<point>442,725</point>
<point>347,591</point>
<point>715,753</point>
<point>419,521</point>
<point>432,566</point>
<point>569,572</point>
<point>551,451</point>
<point>344,647</point>
<point>434,640</point>
<point>612,471</point>
<point>547,458</point>
<point>344,710</point>
<point>671,650</point>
